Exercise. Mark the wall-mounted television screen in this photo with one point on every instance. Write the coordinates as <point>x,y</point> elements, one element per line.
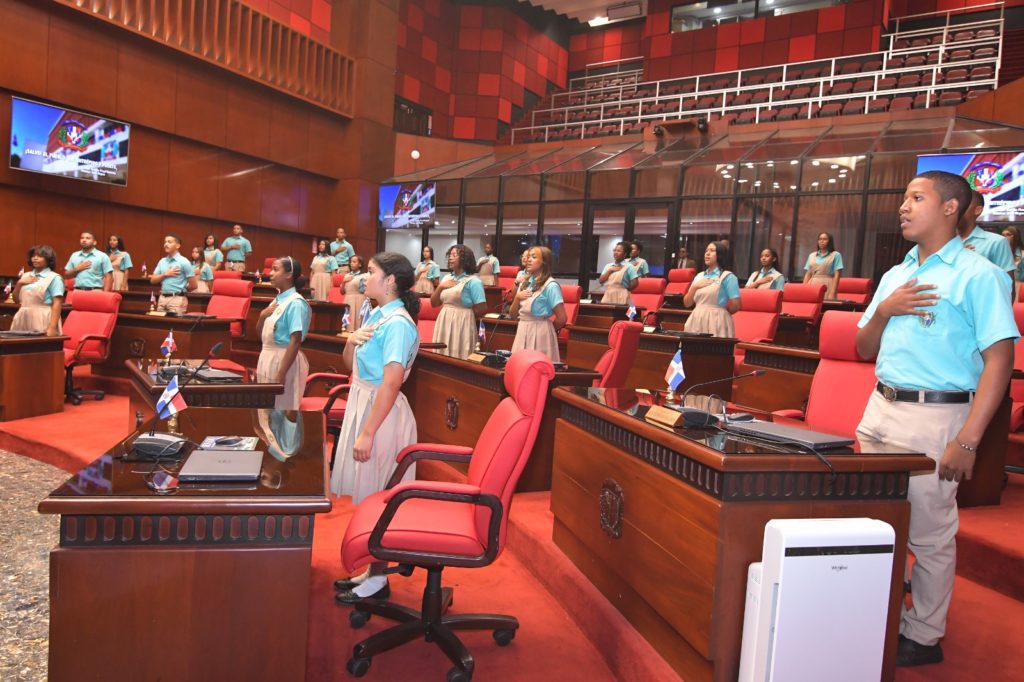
<point>405,206</point>
<point>997,175</point>
<point>68,143</point>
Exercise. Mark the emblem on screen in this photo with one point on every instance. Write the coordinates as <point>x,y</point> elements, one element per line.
<point>73,135</point>
<point>986,176</point>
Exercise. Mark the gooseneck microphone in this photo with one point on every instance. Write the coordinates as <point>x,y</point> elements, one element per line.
<point>694,417</point>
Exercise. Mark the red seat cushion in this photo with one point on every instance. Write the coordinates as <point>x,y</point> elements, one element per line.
<point>316,404</point>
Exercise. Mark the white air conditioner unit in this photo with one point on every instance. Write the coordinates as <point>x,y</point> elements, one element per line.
<point>817,601</point>
<point>625,10</point>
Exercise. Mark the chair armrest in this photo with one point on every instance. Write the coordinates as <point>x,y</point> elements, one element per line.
<point>761,339</point>
<point>105,340</point>
<point>788,414</point>
<point>326,377</point>
<point>435,451</point>
<point>333,395</point>
<point>459,493</point>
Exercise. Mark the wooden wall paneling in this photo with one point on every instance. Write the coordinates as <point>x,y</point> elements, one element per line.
<point>289,132</point>
<point>18,209</point>
<point>248,119</point>
<point>192,186</point>
<point>316,209</point>
<point>274,244</point>
<point>142,231</point>
<point>280,198</point>
<point>60,221</point>
<point>201,104</point>
<point>146,86</point>
<point>327,154</point>
<point>240,179</point>
<point>85,189</point>
<point>148,161</point>
<point>79,67</point>
<point>23,51</point>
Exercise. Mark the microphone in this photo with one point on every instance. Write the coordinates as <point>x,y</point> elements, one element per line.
<point>214,352</point>
<point>647,316</point>
<point>694,417</point>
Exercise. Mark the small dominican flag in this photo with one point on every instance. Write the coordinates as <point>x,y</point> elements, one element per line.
<point>171,401</point>
<point>482,332</point>
<point>364,312</point>
<point>143,269</point>
<point>7,289</point>
<point>675,375</point>
<point>346,319</point>
<point>152,298</point>
<point>631,312</point>
<point>168,346</point>
<point>21,273</point>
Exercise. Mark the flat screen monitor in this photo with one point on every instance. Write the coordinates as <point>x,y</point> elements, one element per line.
<point>68,143</point>
<point>997,175</point>
<point>406,206</point>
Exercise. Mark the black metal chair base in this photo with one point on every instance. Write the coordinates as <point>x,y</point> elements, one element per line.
<point>76,395</point>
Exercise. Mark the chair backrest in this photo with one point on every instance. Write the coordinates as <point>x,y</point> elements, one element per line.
<point>226,274</point>
<point>614,365</point>
<point>829,409</point>
<point>426,319</point>
<point>679,280</point>
<point>336,295</point>
<point>267,264</point>
<point>1017,385</point>
<point>93,312</point>
<point>507,283</point>
<point>571,300</point>
<point>505,443</point>
<point>231,299</point>
<point>803,300</point>
<point>857,289</point>
<point>757,320</point>
<point>649,293</point>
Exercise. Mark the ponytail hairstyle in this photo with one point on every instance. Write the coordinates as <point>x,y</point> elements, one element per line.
<point>395,264</point>
<point>546,259</point>
<point>294,267</point>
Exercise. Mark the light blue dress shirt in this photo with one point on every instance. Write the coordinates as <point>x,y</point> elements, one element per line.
<point>992,246</point>
<point>548,298</point>
<point>816,257</point>
<point>126,260</point>
<point>56,287</point>
<point>641,266</point>
<point>239,248</point>
<point>91,277</point>
<point>1019,271</point>
<point>173,285</point>
<point>943,352</point>
<point>433,271</point>
<point>472,291</point>
<point>628,276</point>
<point>214,253</point>
<point>728,288</point>
<point>395,339</point>
<point>295,318</point>
<point>777,283</point>
<point>342,251</point>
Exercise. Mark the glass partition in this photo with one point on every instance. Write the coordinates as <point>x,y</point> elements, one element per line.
<point>518,231</point>
<point>650,230</point>
<point>563,234</point>
<point>481,225</point>
<point>702,221</point>
<point>761,223</point>
<point>837,214</point>
<point>609,228</point>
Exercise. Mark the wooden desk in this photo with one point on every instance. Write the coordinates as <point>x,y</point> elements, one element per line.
<point>673,302</point>
<point>31,376</point>
<point>453,399</point>
<point>325,319</point>
<point>493,298</point>
<point>798,331</point>
<point>842,304</point>
<point>603,315</point>
<point>209,582</point>
<point>139,337</point>
<point>146,388</point>
<point>690,508</point>
<point>138,301</point>
<point>500,334</point>
<point>705,358</point>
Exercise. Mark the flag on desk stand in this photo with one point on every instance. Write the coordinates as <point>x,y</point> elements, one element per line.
<point>168,346</point>
<point>21,273</point>
<point>7,290</point>
<point>152,300</point>
<point>346,319</point>
<point>143,269</point>
<point>631,312</point>
<point>675,375</point>
<point>171,401</point>
<point>364,312</point>
<point>482,333</point>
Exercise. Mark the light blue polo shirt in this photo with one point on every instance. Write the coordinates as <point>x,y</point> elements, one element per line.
<point>295,318</point>
<point>395,339</point>
<point>472,290</point>
<point>55,289</point>
<point>548,298</point>
<point>493,260</point>
<point>360,277</point>
<point>628,276</point>
<point>729,287</point>
<point>331,264</point>
<point>641,266</point>
<point>816,257</point>
<point>777,283</point>
<point>126,260</point>
<point>433,271</point>
<point>239,248</point>
<point>1019,271</point>
<point>91,277</point>
<point>214,254</point>
<point>174,284</point>
<point>342,251</point>
<point>944,352</point>
<point>992,246</point>
<point>204,270</point>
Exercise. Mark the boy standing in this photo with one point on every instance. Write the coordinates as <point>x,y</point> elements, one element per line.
<point>176,277</point>
<point>238,249</point>
<point>90,268</point>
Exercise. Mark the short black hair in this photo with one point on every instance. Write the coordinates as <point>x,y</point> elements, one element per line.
<point>951,186</point>
<point>47,252</point>
<point>175,237</point>
<point>831,246</point>
<point>639,247</point>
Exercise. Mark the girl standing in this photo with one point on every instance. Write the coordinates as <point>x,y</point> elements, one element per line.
<point>282,327</point>
<point>353,287</point>
<point>1012,234</point>
<point>619,277</point>
<point>536,301</point>
<point>40,293</point>
<point>768,277</point>
<point>825,265</point>
<point>204,273</point>
<point>211,254</point>
<point>120,260</point>
<point>428,274</point>
<point>716,294</point>
<point>320,269</point>
<point>462,301</point>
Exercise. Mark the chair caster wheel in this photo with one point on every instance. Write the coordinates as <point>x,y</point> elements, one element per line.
<point>504,637</point>
<point>459,675</point>
<point>357,667</point>
<point>76,401</point>
<point>99,396</point>
<point>358,619</point>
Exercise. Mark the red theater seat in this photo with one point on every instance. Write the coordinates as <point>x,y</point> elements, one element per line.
<point>856,289</point>
<point>230,301</point>
<point>649,293</point>
<point>614,365</point>
<point>426,319</point>
<point>757,320</point>
<point>88,327</point>
<point>335,295</point>
<point>571,300</point>
<point>226,274</point>
<point>679,280</point>
<point>803,300</point>
<point>267,264</point>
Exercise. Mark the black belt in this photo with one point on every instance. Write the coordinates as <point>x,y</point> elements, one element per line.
<point>177,293</point>
<point>905,396</point>
<point>88,288</point>
<point>235,261</point>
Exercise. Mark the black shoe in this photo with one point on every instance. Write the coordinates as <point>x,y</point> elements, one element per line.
<point>346,584</point>
<point>910,653</point>
<point>350,597</point>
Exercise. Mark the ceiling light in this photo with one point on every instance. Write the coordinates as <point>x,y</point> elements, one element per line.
<point>793,162</point>
<point>769,163</point>
<point>792,186</point>
<point>832,180</point>
<point>834,166</point>
<point>718,10</point>
<point>814,184</point>
<point>598,21</point>
<point>815,163</point>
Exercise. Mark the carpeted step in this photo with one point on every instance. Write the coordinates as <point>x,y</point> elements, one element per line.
<point>989,550</point>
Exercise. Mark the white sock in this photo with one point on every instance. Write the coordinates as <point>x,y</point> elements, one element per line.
<point>370,586</point>
<point>361,578</point>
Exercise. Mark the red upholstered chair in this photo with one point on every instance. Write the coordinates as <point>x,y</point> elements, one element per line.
<point>332,405</point>
<point>828,409</point>
<point>267,264</point>
<point>679,280</point>
<point>230,301</point>
<point>507,283</point>
<point>1017,385</point>
<point>89,327</point>
<point>426,319</point>
<point>226,274</point>
<point>649,294</point>
<point>433,524</point>
<point>571,300</point>
<point>623,340</point>
<point>757,320</point>
<point>856,289</point>
<point>803,300</point>
<point>335,295</point>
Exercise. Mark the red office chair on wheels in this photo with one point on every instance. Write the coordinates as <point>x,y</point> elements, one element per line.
<point>89,327</point>
<point>623,341</point>
<point>431,524</point>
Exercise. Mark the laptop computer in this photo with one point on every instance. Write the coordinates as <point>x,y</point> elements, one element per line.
<point>780,433</point>
<point>222,465</point>
<point>218,376</point>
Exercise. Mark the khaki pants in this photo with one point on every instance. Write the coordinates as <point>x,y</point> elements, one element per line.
<point>236,265</point>
<point>172,304</point>
<point>925,428</point>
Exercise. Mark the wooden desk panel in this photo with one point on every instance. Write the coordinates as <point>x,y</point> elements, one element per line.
<point>500,334</point>
<point>800,332</point>
<point>603,315</point>
<point>138,337</point>
<point>704,358</point>
<point>31,376</point>
<point>325,319</point>
<point>494,298</point>
<point>692,520</point>
<point>138,301</point>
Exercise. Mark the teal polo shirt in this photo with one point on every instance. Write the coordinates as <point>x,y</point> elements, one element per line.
<point>395,339</point>
<point>295,318</point>
<point>728,288</point>
<point>126,260</point>
<point>777,283</point>
<point>641,266</point>
<point>203,270</point>
<point>816,257</point>
<point>547,300</point>
<point>214,254</point>
<point>628,276</point>
<point>493,260</point>
<point>174,285</point>
<point>943,352</point>
<point>472,290</point>
<point>342,251</point>
<point>91,277</point>
<point>992,246</point>
<point>55,289</point>
<point>239,248</point>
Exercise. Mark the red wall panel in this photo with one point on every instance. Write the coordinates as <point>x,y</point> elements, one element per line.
<point>902,8</point>
<point>309,17</point>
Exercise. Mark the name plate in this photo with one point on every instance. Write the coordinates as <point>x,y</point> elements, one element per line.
<point>343,334</point>
<point>493,316</point>
<point>477,358</point>
<point>586,300</point>
<point>664,415</point>
<point>157,313</point>
<point>649,329</point>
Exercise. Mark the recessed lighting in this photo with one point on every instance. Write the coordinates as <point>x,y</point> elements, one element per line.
<point>792,186</point>
<point>726,175</point>
<point>769,163</point>
<point>742,180</point>
<point>834,166</point>
<point>815,163</point>
<point>793,162</point>
<point>718,10</point>
<point>730,166</point>
<point>598,21</point>
<point>832,181</point>
<point>750,165</point>
<point>814,184</point>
